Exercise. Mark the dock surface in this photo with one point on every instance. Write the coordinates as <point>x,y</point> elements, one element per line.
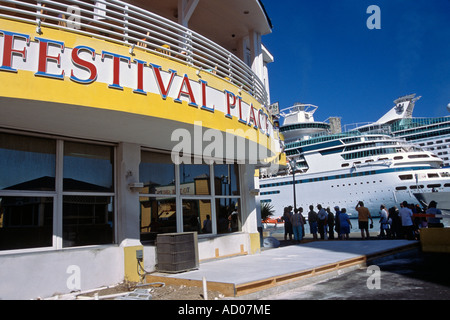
<point>244,275</point>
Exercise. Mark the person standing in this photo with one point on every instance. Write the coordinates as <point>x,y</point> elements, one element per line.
<point>338,222</point>
<point>435,221</point>
<point>384,222</point>
<point>322,222</point>
<point>207,226</point>
<point>287,218</point>
<point>345,224</point>
<point>363,219</point>
<point>297,224</point>
<point>406,214</point>
<point>312,220</point>
<point>330,223</point>
<point>395,223</point>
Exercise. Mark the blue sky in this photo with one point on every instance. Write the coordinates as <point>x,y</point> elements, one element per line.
<point>325,55</point>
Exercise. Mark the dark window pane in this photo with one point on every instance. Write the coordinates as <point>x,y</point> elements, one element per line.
<point>158,215</point>
<point>25,222</point>
<point>28,163</point>
<point>88,167</point>
<point>195,212</point>
<point>195,179</point>
<point>226,179</point>
<point>228,215</point>
<point>157,172</point>
<point>87,220</point>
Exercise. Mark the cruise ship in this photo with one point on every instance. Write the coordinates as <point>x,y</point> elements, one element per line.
<point>431,134</point>
<point>339,168</point>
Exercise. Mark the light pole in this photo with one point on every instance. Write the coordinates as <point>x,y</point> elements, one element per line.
<point>293,165</point>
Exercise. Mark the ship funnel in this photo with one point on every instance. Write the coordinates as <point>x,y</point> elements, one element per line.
<point>335,125</point>
<point>402,109</point>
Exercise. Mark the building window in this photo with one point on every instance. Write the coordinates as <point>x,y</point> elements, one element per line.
<point>226,179</point>
<point>158,215</point>
<point>228,215</point>
<point>157,202</point>
<point>88,167</point>
<point>25,222</point>
<point>27,185</point>
<point>157,172</point>
<point>87,220</point>
<point>202,204</point>
<point>197,215</point>
<point>88,202</point>
<point>195,179</point>
<point>28,163</point>
<point>32,189</point>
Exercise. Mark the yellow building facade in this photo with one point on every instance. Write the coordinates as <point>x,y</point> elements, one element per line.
<point>122,120</point>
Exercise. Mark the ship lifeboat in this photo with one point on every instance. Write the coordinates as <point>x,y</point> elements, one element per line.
<point>273,222</point>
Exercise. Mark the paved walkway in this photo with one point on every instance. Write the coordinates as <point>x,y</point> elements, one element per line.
<point>244,275</point>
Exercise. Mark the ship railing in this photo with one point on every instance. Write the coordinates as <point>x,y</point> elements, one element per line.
<point>139,29</point>
<point>417,125</point>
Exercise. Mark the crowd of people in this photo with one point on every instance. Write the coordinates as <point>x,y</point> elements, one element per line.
<point>403,223</point>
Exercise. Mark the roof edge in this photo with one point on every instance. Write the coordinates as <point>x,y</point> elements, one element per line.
<point>266,14</point>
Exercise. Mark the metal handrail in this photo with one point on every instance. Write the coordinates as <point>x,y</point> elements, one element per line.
<point>129,25</point>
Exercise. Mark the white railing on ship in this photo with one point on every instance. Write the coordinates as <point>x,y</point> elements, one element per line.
<point>139,29</point>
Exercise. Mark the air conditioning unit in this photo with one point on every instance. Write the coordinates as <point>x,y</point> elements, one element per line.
<point>176,252</point>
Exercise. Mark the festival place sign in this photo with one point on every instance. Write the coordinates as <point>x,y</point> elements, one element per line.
<point>82,64</point>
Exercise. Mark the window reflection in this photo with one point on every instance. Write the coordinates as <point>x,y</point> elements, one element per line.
<point>88,167</point>
<point>228,215</point>
<point>196,214</point>
<point>158,215</point>
<point>25,222</point>
<point>157,172</point>
<point>159,212</point>
<point>195,179</point>
<point>226,179</point>
<point>28,162</point>
<point>87,220</point>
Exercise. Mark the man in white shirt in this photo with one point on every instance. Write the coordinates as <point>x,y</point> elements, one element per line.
<point>405,214</point>
<point>384,223</point>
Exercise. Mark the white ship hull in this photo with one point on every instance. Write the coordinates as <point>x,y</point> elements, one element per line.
<point>372,189</point>
<point>335,168</point>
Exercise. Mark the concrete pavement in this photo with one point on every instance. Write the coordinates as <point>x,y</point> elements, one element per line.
<point>410,275</point>
<point>252,276</point>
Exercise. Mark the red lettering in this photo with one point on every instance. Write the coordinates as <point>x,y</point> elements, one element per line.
<point>186,84</point>
<point>140,77</point>
<point>240,111</point>
<point>83,64</point>
<point>44,57</point>
<point>252,117</point>
<point>162,89</point>
<point>116,67</point>
<point>204,107</point>
<point>229,103</point>
<point>8,50</point>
